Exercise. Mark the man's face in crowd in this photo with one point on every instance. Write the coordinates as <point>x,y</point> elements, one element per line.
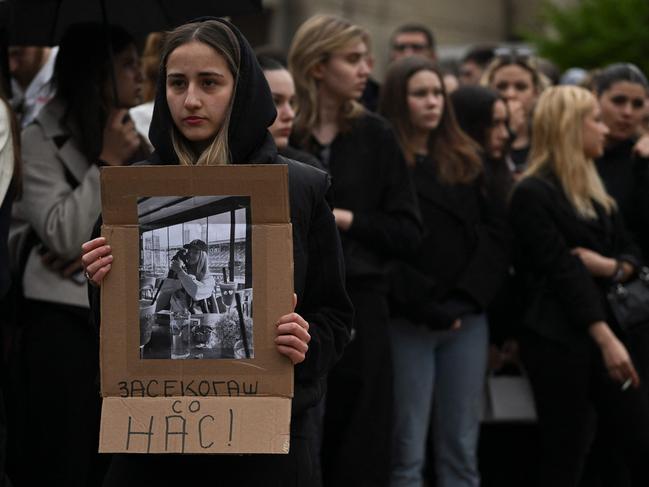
<point>470,73</point>
<point>408,44</point>
<point>25,62</point>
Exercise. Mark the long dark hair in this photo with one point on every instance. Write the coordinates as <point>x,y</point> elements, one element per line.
<point>614,73</point>
<point>81,73</point>
<point>455,154</point>
<point>474,108</point>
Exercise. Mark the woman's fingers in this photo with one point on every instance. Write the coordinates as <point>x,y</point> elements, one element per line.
<point>293,337</point>
<point>295,356</point>
<point>294,318</point>
<point>294,329</point>
<point>96,259</point>
<point>293,342</point>
<point>623,372</point>
<point>91,257</point>
<point>99,275</point>
<point>93,244</point>
<point>98,263</point>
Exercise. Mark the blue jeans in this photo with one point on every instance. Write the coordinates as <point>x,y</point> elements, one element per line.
<point>439,380</point>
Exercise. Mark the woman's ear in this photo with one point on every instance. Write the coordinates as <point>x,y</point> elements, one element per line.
<point>317,71</point>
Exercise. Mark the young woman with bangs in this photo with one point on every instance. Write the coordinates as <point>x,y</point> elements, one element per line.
<point>439,327</point>
<point>376,215</point>
<point>571,245</point>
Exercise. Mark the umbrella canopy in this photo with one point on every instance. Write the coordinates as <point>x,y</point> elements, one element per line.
<point>43,22</point>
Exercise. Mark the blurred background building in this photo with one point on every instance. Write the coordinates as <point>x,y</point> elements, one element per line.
<point>457,24</point>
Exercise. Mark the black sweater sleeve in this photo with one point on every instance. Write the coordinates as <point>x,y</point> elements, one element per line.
<point>546,255</point>
<point>488,266</point>
<point>395,228</point>
<point>325,304</point>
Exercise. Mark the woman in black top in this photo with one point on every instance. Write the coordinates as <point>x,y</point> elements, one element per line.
<point>213,106</point>
<point>439,332</point>
<point>622,91</point>
<point>482,114</point>
<point>375,211</point>
<point>570,244</point>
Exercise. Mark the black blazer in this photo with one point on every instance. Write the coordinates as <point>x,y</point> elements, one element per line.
<point>463,258</point>
<point>370,178</point>
<point>562,299</point>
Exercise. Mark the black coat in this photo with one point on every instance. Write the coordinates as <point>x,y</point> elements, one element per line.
<point>318,264</point>
<point>626,177</point>
<point>562,298</point>
<point>463,259</point>
<point>370,178</point>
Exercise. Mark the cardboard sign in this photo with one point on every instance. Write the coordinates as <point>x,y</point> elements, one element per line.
<point>202,270</point>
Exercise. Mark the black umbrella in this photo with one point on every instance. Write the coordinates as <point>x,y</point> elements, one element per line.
<point>42,22</point>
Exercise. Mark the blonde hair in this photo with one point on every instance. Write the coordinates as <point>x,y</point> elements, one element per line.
<point>528,63</point>
<point>219,37</point>
<point>557,148</point>
<point>313,43</point>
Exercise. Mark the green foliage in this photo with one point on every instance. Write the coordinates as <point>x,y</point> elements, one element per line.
<point>596,33</point>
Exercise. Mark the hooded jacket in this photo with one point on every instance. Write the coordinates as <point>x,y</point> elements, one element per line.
<point>318,264</point>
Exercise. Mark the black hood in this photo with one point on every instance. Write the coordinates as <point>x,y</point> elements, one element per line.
<point>253,112</point>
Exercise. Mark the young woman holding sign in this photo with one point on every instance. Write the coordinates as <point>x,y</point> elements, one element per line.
<point>213,107</point>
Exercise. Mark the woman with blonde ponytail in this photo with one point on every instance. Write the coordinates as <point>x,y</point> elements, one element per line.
<point>571,246</point>
<point>376,214</point>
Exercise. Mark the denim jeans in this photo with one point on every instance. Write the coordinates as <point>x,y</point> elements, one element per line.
<point>439,380</point>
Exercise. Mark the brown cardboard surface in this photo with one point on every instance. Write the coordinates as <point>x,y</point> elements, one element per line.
<point>195,425</point>
<point>263,385</point>
<point>266,184</point>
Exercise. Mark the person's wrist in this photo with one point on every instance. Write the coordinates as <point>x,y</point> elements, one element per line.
<point>618,272</point>
<point>601,333</point>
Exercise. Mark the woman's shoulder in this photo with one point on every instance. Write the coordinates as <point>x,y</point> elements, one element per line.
<point>372,122</point>
<point>536,190</point>
<point>304,174</point>
<point>47,125</point>
<point>537,185</point>
<point>307,185</point>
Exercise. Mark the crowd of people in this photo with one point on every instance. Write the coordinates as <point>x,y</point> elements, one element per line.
<point>448,221</point>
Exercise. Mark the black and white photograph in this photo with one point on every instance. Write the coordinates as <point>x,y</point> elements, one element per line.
<point>195,270</point>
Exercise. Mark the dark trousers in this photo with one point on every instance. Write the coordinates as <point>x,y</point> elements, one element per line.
<point>574,396</point>
<point>606,466</point>
<point>58,431</point>
<point>357,437</point>
<point>293,470</point>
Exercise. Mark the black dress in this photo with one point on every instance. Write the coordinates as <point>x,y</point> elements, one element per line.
<point>369,178</point>
<point>566,369</point>
<point>319,285</point>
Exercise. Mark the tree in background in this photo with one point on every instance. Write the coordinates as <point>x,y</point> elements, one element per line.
<point>595,33</point>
